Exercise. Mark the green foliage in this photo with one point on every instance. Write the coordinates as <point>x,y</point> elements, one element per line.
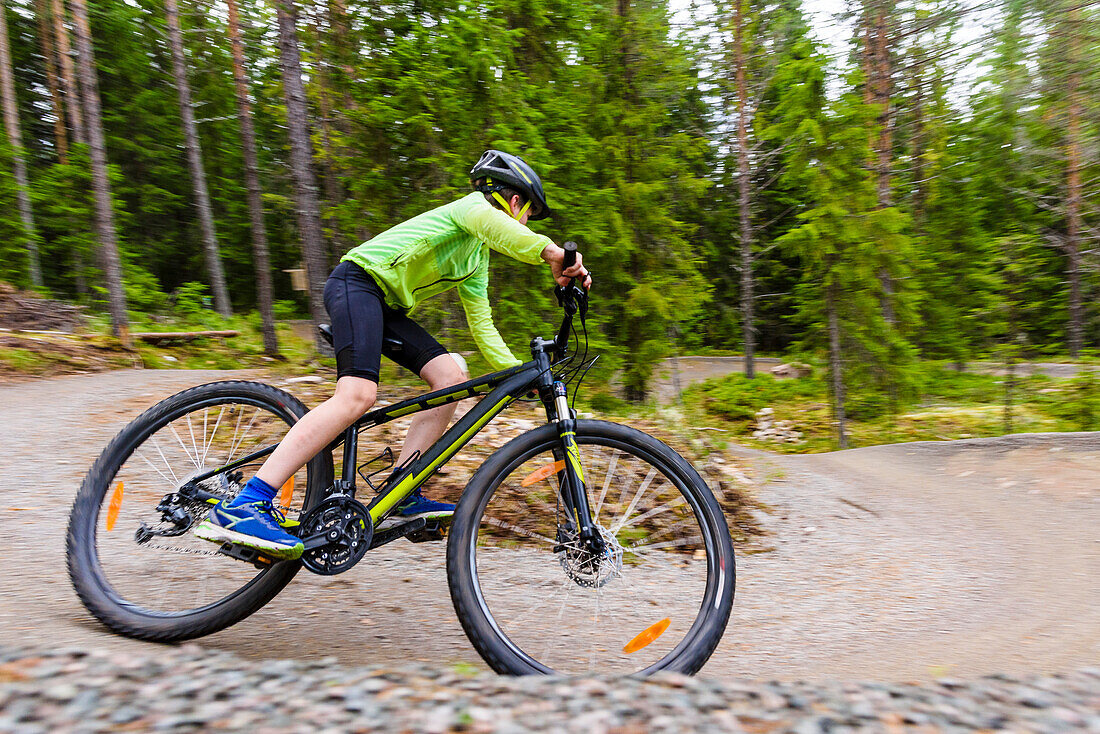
<point>629,117</point>
<point>737,398</point>
<point>285,310</point>
<point>1077,402</point>
<point>191,300</point>
<point>143,293</point>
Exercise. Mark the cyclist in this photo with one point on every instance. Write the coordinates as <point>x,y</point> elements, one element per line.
<point>367,297</point>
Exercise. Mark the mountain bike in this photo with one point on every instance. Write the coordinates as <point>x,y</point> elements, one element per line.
<point>581,546</point>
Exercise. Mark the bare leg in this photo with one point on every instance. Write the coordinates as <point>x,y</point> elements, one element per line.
<point>354,396</point>
<point>427,426</point>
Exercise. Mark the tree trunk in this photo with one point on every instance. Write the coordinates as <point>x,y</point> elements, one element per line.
<point>836,364</point>
<point>305,184</point>
<point>748,304</point>
<point>338,15</point>
<point>881,93</point>
<point>49,51</point>
<point>15,140</point>
<point>333,194</point>
<point>920,196</point>
<point>878,66</point>
<point>68,75</point>
<point>194,162</point>
<point>104,217</point>
<point>252,181</point>
<point>1074,197</point>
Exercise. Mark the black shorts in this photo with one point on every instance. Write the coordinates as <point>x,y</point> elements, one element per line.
<point>360,322</point>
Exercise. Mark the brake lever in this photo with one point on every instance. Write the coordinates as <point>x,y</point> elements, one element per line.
<point>581,297</point>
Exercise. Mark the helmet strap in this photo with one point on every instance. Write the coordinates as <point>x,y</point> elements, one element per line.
<point>508,207</point>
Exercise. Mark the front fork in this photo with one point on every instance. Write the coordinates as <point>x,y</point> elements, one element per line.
<point>571,478</point>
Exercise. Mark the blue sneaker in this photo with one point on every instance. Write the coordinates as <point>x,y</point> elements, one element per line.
<point>254,524</point>
<point>416,506</point>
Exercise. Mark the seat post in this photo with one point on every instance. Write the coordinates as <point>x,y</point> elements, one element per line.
<point>351,449</point>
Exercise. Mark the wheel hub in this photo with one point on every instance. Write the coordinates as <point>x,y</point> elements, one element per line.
<point>592,569</point>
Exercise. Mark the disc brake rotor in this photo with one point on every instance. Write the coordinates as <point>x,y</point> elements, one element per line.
<point>592,570</point>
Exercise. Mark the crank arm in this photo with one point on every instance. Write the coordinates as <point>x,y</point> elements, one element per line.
<point>316,541</point>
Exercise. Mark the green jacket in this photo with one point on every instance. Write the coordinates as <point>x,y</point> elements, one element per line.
<point>448,247</point>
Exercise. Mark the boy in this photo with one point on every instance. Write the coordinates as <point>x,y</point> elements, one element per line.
<point>367,297</point>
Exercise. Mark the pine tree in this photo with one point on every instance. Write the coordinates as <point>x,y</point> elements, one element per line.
<point>305,186</point>
<point>18,156</point>
<point>841,242</point>
<point>49,53</point>
<point>70,93</point>
<point>252,177</point>
<point>194,161</point>
<point>108,247</point>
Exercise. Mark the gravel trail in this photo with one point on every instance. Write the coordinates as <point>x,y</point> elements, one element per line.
<point>194,690</point>
<point>894,563</point>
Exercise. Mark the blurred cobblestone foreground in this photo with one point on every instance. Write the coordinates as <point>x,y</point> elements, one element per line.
<point>189,689</point>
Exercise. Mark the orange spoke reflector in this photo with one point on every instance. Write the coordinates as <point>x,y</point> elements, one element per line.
<point>114,506</point>
<point>539,474</point>
<point>286,492</point>
<point>646,636</point>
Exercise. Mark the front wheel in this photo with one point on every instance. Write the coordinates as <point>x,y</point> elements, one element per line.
<point>531,600</point>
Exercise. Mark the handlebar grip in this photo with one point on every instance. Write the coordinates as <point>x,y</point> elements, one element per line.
<point>570,255</point>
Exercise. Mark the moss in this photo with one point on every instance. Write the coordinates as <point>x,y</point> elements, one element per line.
<point>22,360</point>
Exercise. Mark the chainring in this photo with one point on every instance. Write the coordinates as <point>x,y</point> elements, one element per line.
<point>348,527</point>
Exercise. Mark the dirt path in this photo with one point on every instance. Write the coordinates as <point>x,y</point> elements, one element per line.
<point>895,562</point>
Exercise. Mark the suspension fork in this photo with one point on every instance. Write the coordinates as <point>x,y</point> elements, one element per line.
<point>571,478</point>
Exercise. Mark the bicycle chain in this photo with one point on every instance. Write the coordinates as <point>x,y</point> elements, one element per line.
<point>195,510</point>
<point>191,508</point>
<point>182,551</point>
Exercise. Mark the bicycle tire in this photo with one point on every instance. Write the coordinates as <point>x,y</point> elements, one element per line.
<point>487,633</point>
<point>86,571</point>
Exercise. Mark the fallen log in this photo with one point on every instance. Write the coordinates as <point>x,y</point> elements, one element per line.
<point>156,337</point>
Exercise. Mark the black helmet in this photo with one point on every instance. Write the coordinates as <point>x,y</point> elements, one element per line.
<point>503,170</point>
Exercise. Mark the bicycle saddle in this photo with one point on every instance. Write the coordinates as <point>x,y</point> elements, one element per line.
<point>387,341</point>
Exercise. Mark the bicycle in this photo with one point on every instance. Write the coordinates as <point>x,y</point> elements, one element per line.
<point>579,546</point>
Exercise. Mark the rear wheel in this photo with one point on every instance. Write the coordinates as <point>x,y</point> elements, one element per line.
<point>658,596</point>
<point>133,557</point>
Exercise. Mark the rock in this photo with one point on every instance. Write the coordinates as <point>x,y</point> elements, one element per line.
<point>791,369</point>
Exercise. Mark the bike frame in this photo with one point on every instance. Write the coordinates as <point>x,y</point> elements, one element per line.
<point>501,389</point>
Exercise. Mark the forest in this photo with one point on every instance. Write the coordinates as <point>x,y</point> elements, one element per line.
<point>923,184</point>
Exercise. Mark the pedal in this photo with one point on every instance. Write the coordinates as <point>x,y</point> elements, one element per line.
<point>400,531</point>
<point>246,554</point>
<point>432,531</point>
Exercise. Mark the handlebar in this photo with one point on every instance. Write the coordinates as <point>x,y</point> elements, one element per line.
<point>570,255</point>
<point>572,299</point>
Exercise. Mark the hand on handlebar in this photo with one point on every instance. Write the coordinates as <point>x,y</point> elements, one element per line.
<point>577,270</point>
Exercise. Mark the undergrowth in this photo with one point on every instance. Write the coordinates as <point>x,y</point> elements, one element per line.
<point>950,404</point>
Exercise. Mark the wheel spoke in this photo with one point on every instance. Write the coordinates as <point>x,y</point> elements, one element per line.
<point>678,543</point>
<point>606,482</point>
<point>175,480</point>
<point>210,442</point>
<point>194,460</point>
<point>634,502</point>
<point>670,505</point>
